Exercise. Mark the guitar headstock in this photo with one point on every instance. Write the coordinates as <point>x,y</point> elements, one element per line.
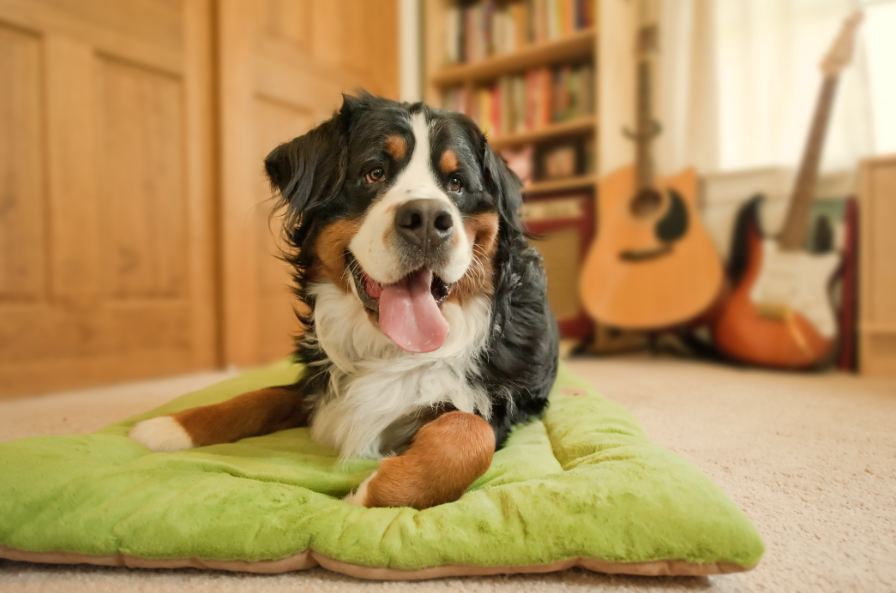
<point>647,40</point>
<point>840,52</point>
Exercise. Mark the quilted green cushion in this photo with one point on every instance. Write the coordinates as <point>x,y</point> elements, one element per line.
<point>584,486</point>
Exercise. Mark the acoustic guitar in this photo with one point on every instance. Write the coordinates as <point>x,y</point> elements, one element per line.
<point>779,312</point>
<point>652,265</point>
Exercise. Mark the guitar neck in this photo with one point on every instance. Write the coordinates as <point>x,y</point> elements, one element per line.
<point>645,131</point>
<point>793,233</point>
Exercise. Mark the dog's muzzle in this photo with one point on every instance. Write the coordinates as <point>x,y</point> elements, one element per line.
<point>409,310</point>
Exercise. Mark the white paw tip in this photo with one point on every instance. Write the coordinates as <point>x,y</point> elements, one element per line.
<point>161,434</point>
<point>359,496</point>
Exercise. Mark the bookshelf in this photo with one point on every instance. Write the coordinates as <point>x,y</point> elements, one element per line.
<point>575,46</point>
<point>584,125</point>
<point>570,45</point>
<point>579,182</point>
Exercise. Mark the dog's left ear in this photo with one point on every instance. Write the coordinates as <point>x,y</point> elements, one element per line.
<point>505,186</point>
<point>311,168</point>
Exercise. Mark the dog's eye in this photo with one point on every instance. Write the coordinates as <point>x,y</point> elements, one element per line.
<point>375,175</point>
<point>455,184</point>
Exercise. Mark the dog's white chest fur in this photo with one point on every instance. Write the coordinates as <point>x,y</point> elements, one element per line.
<point>373,383</point>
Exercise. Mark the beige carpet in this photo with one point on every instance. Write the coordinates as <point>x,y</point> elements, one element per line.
<point>810,458</point>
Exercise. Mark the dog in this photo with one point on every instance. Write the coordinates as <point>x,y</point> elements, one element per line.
<point>427,334</point>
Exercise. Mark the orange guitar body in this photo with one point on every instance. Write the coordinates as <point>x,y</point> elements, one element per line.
<point>782,338</point>
<point>634,276</point>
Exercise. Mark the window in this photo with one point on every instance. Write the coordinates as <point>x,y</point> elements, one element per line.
<point>880,40</point>
<point>767,81</point>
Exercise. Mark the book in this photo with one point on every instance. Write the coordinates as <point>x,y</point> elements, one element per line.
<point>481,29</point>
<point>529,100</point>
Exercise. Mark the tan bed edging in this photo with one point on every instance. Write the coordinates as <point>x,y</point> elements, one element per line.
<point>308,559</point>
<point>300,561</point>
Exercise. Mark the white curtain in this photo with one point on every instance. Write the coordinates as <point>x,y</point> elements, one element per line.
<point>687,98</point>
<point>738,79</point>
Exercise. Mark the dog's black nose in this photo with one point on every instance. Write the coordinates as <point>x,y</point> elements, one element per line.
<point>424,223</point>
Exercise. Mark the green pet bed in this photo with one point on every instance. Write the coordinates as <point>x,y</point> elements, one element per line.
<point>583,487</point>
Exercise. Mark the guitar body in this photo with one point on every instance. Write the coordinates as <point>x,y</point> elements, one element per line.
<point>650,271</point>
<point>778,313</point>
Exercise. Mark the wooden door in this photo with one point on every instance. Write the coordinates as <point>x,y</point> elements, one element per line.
<point>105,191</point>
<point>282,67</point>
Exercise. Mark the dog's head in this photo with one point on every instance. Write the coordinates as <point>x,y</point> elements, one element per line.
<point>400,205</point>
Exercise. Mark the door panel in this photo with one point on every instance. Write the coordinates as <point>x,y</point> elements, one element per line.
<point>282,67</point>
<point>22,271</point>
<point>271,119</point>
<point>105,191</point>
<point>142,200</point>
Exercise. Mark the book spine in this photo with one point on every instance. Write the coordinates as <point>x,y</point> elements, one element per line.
<point>487,24</point>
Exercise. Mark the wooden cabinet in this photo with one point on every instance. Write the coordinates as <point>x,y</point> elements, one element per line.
<point>134,237</point>
<point>877,272</point>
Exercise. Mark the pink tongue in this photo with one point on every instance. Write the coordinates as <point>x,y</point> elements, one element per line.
<point>410,316</point>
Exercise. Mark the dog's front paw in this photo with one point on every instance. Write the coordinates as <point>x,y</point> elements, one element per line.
<point>361,496</point>
<point>164,433</point>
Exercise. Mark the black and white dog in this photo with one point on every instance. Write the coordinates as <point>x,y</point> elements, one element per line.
<point>428,334</point>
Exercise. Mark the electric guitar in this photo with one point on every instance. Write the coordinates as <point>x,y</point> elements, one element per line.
<point>779,312</point>
<point>652,264</point>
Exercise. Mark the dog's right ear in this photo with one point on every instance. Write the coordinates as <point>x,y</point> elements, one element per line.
<point>311,169</point>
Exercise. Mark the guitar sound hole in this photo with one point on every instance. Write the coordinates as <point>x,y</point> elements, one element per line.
<point>646,203</point>
<point>674,223</point>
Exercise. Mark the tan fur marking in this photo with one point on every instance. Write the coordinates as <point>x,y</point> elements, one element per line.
<point>396,147</point>
<point>250,414</point>
<point>479,279</point>
<point>446,456</point>
<point>389,232</point>
<point>330,247</point>
<point>448,161</point>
